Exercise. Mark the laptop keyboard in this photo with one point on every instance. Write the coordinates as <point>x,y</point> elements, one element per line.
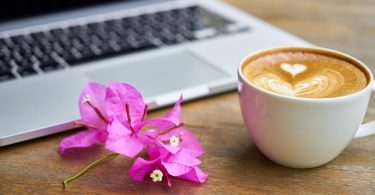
<point>61,48</point>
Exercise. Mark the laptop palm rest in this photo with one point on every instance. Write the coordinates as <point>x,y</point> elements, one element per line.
<point>162,74</point>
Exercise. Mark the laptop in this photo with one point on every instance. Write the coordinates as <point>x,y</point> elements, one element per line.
<point>49,50</point>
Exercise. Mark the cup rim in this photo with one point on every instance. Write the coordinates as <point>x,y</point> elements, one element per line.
<point>308,48</point>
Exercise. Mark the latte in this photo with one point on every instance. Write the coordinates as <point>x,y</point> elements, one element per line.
<point>307,74</point>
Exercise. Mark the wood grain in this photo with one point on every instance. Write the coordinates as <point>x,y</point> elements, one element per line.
<point>234,164</point>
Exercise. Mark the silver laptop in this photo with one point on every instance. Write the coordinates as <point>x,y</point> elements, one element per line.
<point>50,49</point>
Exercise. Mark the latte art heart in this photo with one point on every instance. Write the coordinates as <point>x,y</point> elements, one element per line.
<point>304,74</point>
<point>293,69</point>
<point>324,83</point>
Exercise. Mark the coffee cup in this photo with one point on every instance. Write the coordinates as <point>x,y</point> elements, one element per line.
<point>302,131</point>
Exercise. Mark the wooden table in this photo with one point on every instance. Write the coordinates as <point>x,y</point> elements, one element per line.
<point>235,165</point>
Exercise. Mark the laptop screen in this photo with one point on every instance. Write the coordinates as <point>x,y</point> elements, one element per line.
<point>17,9</point>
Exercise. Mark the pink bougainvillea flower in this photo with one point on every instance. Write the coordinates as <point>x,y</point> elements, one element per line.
<point>180,139</point>
<point>91,107</point>
<point>174,153</point>
<point>116,116</point>
<point>178,165</point>
<point>126,109</point>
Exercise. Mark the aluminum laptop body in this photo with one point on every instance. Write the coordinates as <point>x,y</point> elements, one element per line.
<point>202,63</point>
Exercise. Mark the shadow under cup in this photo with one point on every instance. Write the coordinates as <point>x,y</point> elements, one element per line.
<point>301,132</point>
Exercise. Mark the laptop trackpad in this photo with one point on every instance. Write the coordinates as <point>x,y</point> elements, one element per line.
<point>161,74</point>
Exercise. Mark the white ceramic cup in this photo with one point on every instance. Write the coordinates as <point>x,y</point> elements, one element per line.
<point>303,132</point>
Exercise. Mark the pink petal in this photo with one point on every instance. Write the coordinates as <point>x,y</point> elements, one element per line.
<point>102,136</point>
<point>155,151</point>
<point>196,175</point>
<point>174,114</point>
<point>155,145</point>
<point>183,159</point>
<point>117,129</point>
<point>169,120</point>
<point>141,168</point>
<point>147,137</point>
<point>121,140</point>
<point>179,163</point>
<point>169,148</point>
<point>97,94</point>
<point>176,169</point>
<point>160,124</point>
<point>189,143</point>
<point>118,96</point>
<point>152,133</point>
<point>82,139</point>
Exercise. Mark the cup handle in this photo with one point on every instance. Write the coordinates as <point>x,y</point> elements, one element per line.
<point>367,128</point>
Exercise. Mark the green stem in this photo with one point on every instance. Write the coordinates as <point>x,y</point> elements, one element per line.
<point>83,171</point>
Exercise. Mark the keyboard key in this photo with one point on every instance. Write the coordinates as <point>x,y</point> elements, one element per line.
<point>87,53</point>
<point>17,56</point>
<point>37,51</point>
<point>6,75</point>
<point>24,63</point>
<point>2,41</point>
<point>76,61</point>
<point>46,59</point>
<point>38,36</point>
<point>4,66</point>
<point>58,48</point>
<point>47,67</point>
<point>68,56</point>
<point>8,42</point>
<point>26,71</point>
<point>122,51</point>
<point>57,32</point>
<point>106,49</point>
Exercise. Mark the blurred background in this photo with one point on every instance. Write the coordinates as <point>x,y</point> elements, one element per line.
<point>344,25</point>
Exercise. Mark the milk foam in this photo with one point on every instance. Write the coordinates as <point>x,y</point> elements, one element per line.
<point>302,74</point>
<point>323,84</point>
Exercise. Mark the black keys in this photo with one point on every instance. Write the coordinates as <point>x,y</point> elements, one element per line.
<point>27,71</point>
<point>46,59</point>
<point>79,61</point>
<point>87,53</point>
<point>25,67</point>
<point>68,56</point>
<point>4,66</point>
<point>57,32</point>
<point>109,52</point>
<point>23,63</point>
<point>6,75</point>
<point>47,67</point>
<point>58,48</point>
<point>98,40</point>
<point>5,53</point>
<point>5,71</point>
<point>47,63</point>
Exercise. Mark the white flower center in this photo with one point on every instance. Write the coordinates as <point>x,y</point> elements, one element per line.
<point>86,99</point>
<point>174,141</point>
<point>156,176</point>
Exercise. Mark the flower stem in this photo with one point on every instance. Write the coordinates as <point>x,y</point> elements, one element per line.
<point>83,171</point>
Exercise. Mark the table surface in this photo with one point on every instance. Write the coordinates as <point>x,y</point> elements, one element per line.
<point>234,164</point>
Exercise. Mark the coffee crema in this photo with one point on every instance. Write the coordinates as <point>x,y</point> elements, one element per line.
<point>305,74</point>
